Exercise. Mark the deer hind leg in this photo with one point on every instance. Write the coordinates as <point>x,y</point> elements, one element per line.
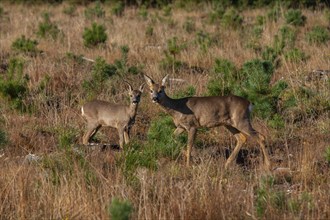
<point>247,129</point>
<point>91,131</point>
<point>191,138</point>
<point>241,139</point>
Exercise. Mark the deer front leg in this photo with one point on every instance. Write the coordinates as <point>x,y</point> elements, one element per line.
<point>121,138</point>
<point>191,139</point>
<point>126,136</point>
<point>178,131</point>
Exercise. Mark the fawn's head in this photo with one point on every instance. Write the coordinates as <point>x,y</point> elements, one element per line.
<point>157,92</point>
<point>134,95</point>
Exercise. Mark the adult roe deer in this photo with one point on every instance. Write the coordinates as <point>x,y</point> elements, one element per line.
<point>122,117</point>
<point>190,113</point>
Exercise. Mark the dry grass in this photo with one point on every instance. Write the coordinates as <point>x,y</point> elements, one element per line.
<point>64,184</point>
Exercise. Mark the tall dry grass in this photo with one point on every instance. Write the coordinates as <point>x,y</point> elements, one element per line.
<point>66,184</point>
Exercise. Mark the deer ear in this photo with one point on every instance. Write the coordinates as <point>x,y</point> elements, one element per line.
<point>149,81</point>
<point>129,86</point>
<point>142,87</point>
<point>164,80</point>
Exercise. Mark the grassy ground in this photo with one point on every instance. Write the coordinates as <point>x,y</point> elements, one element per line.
<point>149,179</point>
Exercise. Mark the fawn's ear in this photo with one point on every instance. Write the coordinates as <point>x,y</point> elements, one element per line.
<point>149,81</point>
<point>142,87</point>
<point>164,80</point>
<point>130,89</point>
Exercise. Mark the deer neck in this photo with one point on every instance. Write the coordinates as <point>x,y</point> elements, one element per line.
<point>132,108</point>
<point>168,104</point>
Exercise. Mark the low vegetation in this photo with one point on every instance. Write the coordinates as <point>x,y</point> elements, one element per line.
<point>56,55</point>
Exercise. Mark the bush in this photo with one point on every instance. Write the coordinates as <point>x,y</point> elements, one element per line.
<point>13,85</point>
<point>95,12</point>
<point>318,35</point>
<point>232,18</point>
<point>295,55</point>
<point>25,45</point>
<point>189,26</point>
<point>101,71</point>
<point>3,135</point>
<point>287,37</point>
<point>149,31</point>
<point>47,28</point>
<point>118,9</point>
<point>327,155</point>
<point>170,63</point>
<point>143,12</point>
<point>95,35</point>
<point>70,10</point>
<point>120,210</point>
<point>274,13</point>
<point>224,77</point>
<point>204,40</point>
<point>122,65</point>
<point>186,92</point>
<point>217,13</point>
<point>295,17</point>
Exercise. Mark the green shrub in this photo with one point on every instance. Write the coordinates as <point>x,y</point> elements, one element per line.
<point>101,71</point>
<point>47,28</point>
<point>189,26</point>
<point>274,13</point>
<point>3,139</point>
<point>122,66</point>
<point>186,92</point>
<point>143,12</point>
<point>65,164</point>
<point>295,17</point>
<point>25,45</point>
<point>95,12</point>
<point>70,10</point>
<point>232,18</point>
<point>269,54</point>
<point>327,154</point>
<point>95,35</point>
<point>318,35</point>
<point>217,13</point>
<point>327,15</point>
<point>224,77</point>
<point>2,11</point>
<point>160,138</point>
<point>170,62</point>
<point>13,85</point>
<point>66,137</point>
<point>203,39</point>
<point>295,55</point>
<point>149,31</point>
<point>118,9</point>
<point>256,75</point>
<point>287,37</point>
<point>167,10</point>
<point>276,121</point>
<point>120,210</point>
<point>260,20</point>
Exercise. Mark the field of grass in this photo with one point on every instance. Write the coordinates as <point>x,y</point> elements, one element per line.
<point>54,58</point>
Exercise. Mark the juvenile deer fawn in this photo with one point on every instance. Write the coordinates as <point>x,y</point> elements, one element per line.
<point>191,113</point>
<point>100,113</point>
